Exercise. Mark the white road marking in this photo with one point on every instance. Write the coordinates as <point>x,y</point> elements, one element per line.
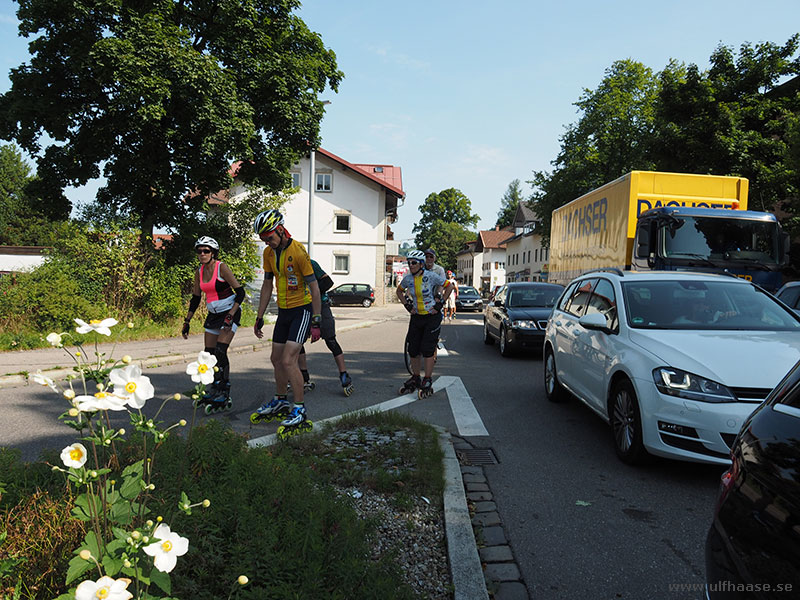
<point>468,421</point>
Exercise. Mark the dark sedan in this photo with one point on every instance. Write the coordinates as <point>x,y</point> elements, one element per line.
<point>517,316</point>
<point>352,293</point>
<point>468,299</point>
<point>753,546</point>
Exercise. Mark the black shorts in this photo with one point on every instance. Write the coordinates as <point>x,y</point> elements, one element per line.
<point>293,325</point>
<point>215,321</point>
<point>423,334</point>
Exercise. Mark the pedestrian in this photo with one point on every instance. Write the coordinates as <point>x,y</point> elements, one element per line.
<point>328,331</point>
<point>450,305</point>
<point>430,264</point>
<point>418,291</point>
<point>287,267</point>
<point>224,296</point>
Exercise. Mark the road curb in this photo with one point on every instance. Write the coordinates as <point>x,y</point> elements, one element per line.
<point>7,381</point>
<point>465,564</point>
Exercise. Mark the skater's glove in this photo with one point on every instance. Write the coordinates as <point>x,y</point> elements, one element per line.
<point>316,332</point>
<point>260,323</point>
<point>228,323</point>
<point>185,329</point>
<point>409,304</point>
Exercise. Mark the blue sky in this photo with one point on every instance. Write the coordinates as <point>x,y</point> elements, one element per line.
<point>473,95</point>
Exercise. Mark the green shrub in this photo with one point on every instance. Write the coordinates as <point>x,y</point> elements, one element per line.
<point>164,296</point>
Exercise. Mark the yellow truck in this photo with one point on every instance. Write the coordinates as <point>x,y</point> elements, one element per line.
<point>648,220</point>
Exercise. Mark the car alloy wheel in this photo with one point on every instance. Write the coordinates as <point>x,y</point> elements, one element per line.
<point>487,337</point>
<point>366,303</point>
<point>553,389</point>
<point>505,348</point>
<point>626,423</point>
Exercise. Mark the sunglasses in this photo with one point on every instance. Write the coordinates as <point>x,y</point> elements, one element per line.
<point>203,251</point>
<point>412,262</point>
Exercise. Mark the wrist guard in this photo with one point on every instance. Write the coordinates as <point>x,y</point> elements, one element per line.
<point>228,323</point>
<point>259,323</point>
<point>316,320</point>
<point>438,306</point>
<point>409,304</point>
<point>185,329</point>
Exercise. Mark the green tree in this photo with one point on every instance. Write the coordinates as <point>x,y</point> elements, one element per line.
<point>611,138</point>
<point>736,118</point>
<point>161,97</point>
<point>444,224</point>
<point>509,203</point>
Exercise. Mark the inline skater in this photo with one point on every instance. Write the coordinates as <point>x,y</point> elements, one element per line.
<point>418,291</point>
<point>430,264</point>
<point>450,305</point>
<point>286,263</point>
<point>328,331</point>
<point>224,296</point>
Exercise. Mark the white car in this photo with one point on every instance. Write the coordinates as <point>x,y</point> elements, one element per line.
<point>673,361</point>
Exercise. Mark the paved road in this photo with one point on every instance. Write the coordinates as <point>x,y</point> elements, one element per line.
<point>581,524</point>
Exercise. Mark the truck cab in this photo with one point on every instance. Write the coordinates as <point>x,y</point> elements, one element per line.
<point>747,244</point>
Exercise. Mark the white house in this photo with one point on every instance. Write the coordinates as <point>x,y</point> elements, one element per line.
<point>491,245</point>
<point>351,208</point>
<point>21,258</point>
<point>466,259</point>
<point>526,258</point>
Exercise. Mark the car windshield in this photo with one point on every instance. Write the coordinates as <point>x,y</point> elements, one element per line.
<point>706,305</point>
<point>467,290</point>
<point>540,297</point>
<point>716,238</point>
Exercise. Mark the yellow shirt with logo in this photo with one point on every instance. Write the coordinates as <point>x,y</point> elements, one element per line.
<point>289,275</point>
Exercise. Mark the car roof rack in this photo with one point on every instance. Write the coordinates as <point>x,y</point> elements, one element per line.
<point>614,270</point>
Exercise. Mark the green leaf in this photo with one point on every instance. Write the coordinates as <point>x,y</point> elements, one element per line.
<point>81,510</point>
<point>132,481</point>
<point>121,512</point>
<point>77,567</point>
<point>161,579</point>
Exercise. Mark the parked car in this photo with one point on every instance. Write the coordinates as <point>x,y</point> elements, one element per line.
<point>518,315</point>
<point>468,299</point>
<point>352,293</point>
<point>789,294</point>
<point>673,361</point>
<point>754,540</point>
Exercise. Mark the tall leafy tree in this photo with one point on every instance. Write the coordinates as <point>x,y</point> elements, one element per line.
<point>445,224</point>
<point>161,97</point>
<point>512,198</point>
<point>739,117</point>
<point>610,138</point>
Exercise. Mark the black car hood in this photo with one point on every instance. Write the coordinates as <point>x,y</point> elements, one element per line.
<point>533,314</point>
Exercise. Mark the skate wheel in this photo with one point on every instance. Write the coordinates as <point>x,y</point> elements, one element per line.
<point>196,403</point>
<point>310,385</point>
<point>229,404</point>
<point>283,433</point>
<point>208,409</point>
<point>348,390</point>
<point>255,418</point>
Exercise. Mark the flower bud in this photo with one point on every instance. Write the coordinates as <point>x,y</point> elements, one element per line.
<point>159,518</point>
<point>100,387</point>
<point>127,359</point>
<point>151,487</point>
<point>146,539</point>
<point>206,503</point>
<point>85,554</point>
<point>130,325</point>
<point>126,563</point>
<point>136,535</point>
<point>93,474</point>
<point>149,523</point>
<point>182,422</point>
<point>195,396</point>
<point>73,412</point>
<point>129,541</point>
<point>77,353</point>
<point>176,397</point>
<point>107,442</point>
<point>69,394</point>
<point>122,432</point>
<point>243,580</point>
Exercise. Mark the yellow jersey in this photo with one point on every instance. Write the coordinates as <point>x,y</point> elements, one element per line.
<point>289,269</point>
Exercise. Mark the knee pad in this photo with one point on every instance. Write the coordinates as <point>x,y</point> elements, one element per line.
<point>334,347</point>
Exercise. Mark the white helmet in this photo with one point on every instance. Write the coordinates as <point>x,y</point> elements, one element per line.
<point>207,241</point>
<point>416,255</point>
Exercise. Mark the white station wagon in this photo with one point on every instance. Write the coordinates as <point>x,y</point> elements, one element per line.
<point>673,361</point>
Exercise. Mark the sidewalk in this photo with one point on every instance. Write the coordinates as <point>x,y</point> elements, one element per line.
<point>55,363</point>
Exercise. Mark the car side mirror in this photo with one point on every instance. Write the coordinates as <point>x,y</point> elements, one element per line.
<point>594,321</point>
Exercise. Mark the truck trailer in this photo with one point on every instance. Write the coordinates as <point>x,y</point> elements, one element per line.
<point>648,220</point>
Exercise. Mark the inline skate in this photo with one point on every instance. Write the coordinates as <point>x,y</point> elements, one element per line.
<point>216,398</point>
<point>295,423</point>
<point>274,410</point>
<point>307,386</point>
<point>410,386</point>
<point>425,388</point>
<point>347,383</point>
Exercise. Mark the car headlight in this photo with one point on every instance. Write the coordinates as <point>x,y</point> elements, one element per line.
<point>523,324</point>
<point>690,386</point>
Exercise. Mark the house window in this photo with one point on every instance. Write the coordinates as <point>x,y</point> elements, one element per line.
<point>341,263</point>
<point>295,179</point>
<point>341,223</point>
<point>324,182</point>
<point>536,254</point>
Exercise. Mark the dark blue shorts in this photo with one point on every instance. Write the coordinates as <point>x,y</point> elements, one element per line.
<point>293,325</point>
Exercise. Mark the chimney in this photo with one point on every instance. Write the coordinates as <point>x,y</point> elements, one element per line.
<point>497,227</point>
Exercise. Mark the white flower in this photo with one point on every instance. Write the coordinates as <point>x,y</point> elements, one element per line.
<point>95,325</point>
<point>130,385</point>
<point>166,551</point>
<point>74,456</point>
<point>104,588</point>
<point>100,401</point>
<point>203,370</point>
<point>54,339</point>
<point>44,380</point>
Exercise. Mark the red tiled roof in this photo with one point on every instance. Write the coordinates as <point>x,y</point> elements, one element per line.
<point>391,177</point>
<point>493,238</point>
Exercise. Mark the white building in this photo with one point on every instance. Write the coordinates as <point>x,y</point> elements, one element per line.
<point>491,245</point>
<point>351,208</point>
<point>21,258</point>
<point>526,258</point>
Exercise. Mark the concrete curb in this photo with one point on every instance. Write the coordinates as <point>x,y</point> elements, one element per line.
<point>465,564</point>
<point>7,381</point>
